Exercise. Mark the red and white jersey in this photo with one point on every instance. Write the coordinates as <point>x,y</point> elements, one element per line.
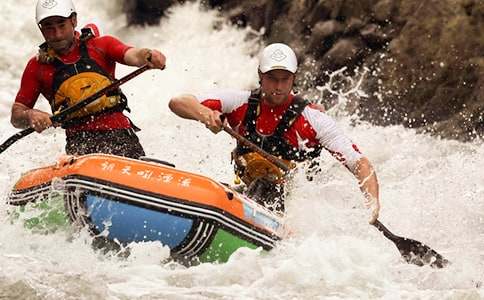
<point>38,78</point>
<point>311,128</point>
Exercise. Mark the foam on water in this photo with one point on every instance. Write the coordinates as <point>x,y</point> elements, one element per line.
<point>432,190</point>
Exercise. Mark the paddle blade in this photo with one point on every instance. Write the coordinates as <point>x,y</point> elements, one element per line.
<point>413,251</point>
<point>416,253</point>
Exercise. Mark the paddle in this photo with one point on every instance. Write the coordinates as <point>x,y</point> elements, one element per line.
<point>275,160</point>
<point>412,251</point>
<point>62,115</point>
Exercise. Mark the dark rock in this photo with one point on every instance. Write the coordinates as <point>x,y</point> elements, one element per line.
<point>145,12</point>
<point>428,79</point>
<point>326,29</point>
<point>353,25</point>
<point>466,120</point>
<point>360,9</point>
<point>384,10</point>
<point>323,35</point>
<point>344,53</point>
<point>252,13</point>
<point>374,35</point>
<point>324,10</point>
<point>291,24</point>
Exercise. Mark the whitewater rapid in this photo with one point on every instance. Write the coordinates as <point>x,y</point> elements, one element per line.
<point>432,190</point>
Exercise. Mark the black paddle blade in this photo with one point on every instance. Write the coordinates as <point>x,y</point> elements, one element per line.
<point>416,253</point>
<point>413,251</point>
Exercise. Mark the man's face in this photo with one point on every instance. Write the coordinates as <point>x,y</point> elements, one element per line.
<point>59,32</point>
<point>276,86</point>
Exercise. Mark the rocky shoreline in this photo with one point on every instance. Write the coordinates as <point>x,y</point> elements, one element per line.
<point>423,60</point>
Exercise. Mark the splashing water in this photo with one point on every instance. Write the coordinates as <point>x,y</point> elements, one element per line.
<point>342,88</point>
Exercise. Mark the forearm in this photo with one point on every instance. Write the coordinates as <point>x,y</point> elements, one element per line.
<point>369,186</point>
<point>20,116</point>
<point>367,179</point>
<point>188,107</point>
<point>136,56</point>
<point>144,56</point>
<point>25,117</point>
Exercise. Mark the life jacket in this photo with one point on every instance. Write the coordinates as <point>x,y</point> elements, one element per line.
<point>250,165</point>
<point>75,82</point>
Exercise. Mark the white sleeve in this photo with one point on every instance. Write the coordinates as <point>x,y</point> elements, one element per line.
<point>230,99</point>
<point>332,137</point>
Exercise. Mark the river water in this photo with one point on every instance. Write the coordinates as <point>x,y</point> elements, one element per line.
<point>432,190</point>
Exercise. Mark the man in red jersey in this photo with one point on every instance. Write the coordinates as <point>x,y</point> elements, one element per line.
<point>71,66</point>
<point>281,123</point>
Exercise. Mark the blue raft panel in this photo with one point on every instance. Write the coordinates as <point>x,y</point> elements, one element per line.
<point>129,223</point>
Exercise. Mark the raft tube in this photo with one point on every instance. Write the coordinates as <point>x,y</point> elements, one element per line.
<point>129,200</point>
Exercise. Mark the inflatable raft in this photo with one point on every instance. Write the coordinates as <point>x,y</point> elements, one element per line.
<point>137,200</point>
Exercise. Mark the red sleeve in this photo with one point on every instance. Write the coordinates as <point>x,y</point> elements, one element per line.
<point>113,48</point>
<point>213,104</point>
<point>30,86</point>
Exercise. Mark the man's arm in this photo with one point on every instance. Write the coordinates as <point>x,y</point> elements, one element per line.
<point>368,183</point>
<point>22,114</point>
<point>142,56</point>
<point>188,107</point>
<point>24,117</point>
<point>334,140</point>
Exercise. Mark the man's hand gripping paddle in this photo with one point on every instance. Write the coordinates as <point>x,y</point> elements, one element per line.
<point>62,115</point>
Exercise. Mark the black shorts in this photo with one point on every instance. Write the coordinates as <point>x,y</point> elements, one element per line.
<point>122,142</point>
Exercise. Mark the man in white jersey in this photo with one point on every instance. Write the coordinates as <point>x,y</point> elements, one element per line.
<point>279,122</point>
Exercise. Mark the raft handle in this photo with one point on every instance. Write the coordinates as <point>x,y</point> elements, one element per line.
<point>150,159</point>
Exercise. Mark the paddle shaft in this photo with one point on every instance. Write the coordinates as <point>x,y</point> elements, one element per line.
<point>62,115</point>
<point>386,232</point>
<point>276,161</point>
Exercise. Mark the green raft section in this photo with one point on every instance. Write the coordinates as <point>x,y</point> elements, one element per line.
<point>222,246</point>
<point>46,216</point>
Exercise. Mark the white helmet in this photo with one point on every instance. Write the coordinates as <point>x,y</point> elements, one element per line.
<point>278,56</point>
<point>50,8</point>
